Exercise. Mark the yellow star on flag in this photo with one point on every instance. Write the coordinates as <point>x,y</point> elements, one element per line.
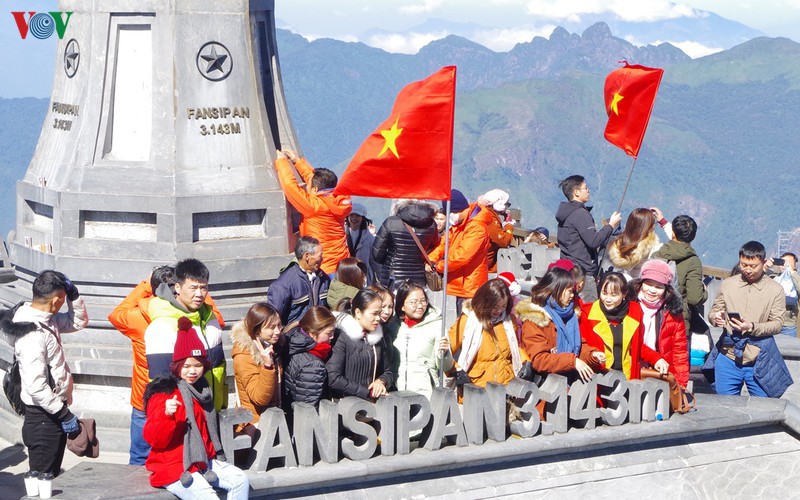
<point>614,101</point>
<point>390,136</point>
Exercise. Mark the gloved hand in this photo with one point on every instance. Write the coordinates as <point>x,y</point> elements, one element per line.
<point>70,425</point>
<point>71,289</point>
<point>462,378</point>
<point>526,371</point>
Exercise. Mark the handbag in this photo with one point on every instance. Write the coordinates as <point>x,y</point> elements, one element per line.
<point>680,400</point>
<point>12,386</point>
<point>432,278</point>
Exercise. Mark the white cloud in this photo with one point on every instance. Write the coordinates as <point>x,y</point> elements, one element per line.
<point>425,7</point>
<point>690,48</point>
<point>695,49</point>
<point>405,43</point>
<point>503,40</point>
<point>626,10</point>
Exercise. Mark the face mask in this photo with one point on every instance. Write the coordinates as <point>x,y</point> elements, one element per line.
<point>453,219</point>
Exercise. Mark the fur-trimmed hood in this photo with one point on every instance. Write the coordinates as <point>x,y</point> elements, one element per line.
<point>14,330</point>
<point>536,314</point>
<point>640,253</point>
<point>350,326</point>
<point>163,384</point>
<point>243,344</point>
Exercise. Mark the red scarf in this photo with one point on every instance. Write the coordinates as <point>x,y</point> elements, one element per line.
<point>411,322</point>
<point>322,351</point>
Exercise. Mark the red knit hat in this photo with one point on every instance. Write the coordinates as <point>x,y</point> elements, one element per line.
<point>564,264</point>
<point>188,344</point>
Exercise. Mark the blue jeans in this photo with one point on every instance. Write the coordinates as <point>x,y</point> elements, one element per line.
<point>139,447</point>
<point>231,478</point>
<point>731,376</point>
<point>789,330</point>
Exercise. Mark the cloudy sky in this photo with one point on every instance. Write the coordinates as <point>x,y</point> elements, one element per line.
<point>511,21</point>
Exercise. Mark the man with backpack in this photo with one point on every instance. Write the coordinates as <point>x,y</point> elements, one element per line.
<point>34,330</point>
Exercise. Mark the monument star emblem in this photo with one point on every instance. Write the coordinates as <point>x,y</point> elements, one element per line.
<point>214,61</point>
<point>72,58</point>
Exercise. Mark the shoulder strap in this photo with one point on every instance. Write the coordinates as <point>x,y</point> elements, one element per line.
<point>419,245</point>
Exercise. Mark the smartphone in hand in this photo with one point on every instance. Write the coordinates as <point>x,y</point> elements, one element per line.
<point>734,315</point>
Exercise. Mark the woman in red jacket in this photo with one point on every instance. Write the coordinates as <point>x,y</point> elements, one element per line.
<point>664,328</point>
<point>186,455</point>
<point>613,324</point>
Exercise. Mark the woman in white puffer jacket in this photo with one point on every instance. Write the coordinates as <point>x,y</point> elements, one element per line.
<point>416,334</point>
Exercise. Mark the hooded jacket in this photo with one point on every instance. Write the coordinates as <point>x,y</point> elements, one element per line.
<point>394,247</point>
<point>501,234</point>
<point>469,245</point>
<point>357,360</point>
<point>688,272</point>
<point>323,212</point>
<point>165,432</point>
<point>539,338</point>
<point>417,357</point>
<point>672,344</point>
<point>159,340</point>
<point>596,330</point>
<point>130,319</point>
<point>258,387</point>
<point>578,237</point>
<point>35,337</point>
<point>292,294</point>
<point>305,378</point>
<point>630,266</point>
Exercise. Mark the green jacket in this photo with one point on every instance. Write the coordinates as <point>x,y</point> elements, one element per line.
<point>689,273</point>
<point>338,291</point>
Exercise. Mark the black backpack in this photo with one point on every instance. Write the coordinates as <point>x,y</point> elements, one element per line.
<point>12,386</point>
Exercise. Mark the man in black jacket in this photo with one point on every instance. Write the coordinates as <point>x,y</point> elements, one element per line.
<point>578,236</point>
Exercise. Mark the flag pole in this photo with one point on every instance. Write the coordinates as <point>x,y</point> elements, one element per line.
<point>624,191</point>
<point>444,289</point>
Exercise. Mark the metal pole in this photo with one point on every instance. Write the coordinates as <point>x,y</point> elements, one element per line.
<point>444,289</point>
<point>624,191</point>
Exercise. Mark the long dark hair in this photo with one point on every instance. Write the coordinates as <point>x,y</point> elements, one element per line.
<point>351,271</point>
<point>641,222</point>
<point>614,281</point>
<point>489,294</point>
<point>673,302</point>
<point>553,284</point>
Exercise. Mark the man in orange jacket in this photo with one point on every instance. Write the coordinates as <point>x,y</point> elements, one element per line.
<point>323,212</point>
<point>466,264</point>
<point>131,319</point>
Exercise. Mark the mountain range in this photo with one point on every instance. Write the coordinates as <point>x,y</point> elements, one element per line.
<point>720,146</point>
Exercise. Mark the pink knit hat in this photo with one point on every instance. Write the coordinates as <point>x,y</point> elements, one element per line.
<point>658,271</point>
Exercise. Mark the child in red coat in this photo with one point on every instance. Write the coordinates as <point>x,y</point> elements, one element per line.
<point>186,456</point>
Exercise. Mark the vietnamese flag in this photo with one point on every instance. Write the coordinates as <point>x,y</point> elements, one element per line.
<point>630,93</point>
<point>409,155</point>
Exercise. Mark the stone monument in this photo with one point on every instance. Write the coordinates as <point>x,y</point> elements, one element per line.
<point>158,145</point>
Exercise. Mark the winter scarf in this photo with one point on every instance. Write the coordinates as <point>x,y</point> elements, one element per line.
<point>322,351</point>
<point>650,310</point>
<point>617,314</point>
<point>194,450</point>
<point>568,338</point>
<point>473,333</point>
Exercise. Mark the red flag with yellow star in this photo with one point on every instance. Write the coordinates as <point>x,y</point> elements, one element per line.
<point>410,154</point>
<point>630,93</point>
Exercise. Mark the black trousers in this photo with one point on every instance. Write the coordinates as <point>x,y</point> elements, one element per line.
<point>42,435</point>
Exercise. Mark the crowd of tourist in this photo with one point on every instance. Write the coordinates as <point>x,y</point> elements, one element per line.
<point>352,315</point>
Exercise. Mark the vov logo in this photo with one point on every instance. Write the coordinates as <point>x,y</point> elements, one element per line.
<point>41,25</point>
